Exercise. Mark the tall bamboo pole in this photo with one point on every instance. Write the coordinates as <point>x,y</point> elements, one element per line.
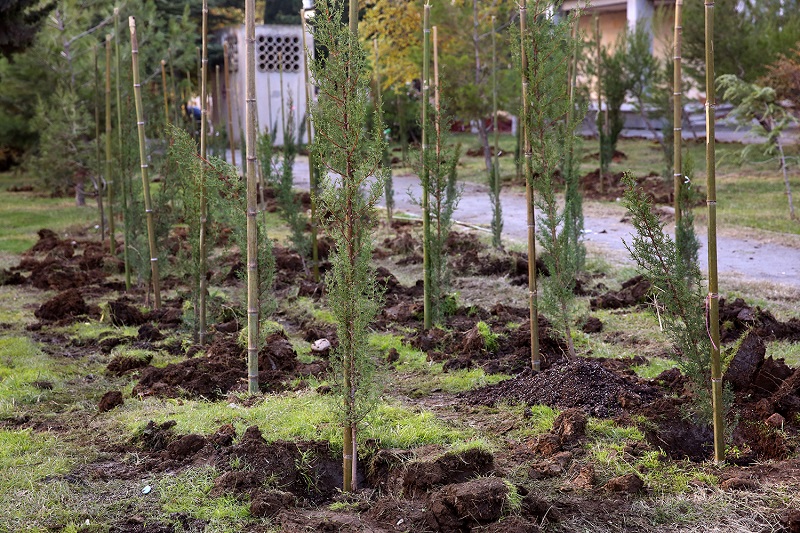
<point>677,119</point>
<point>228,97</point>
<point>312,173</point>
<point>217,100</point>
<point>204,156</point>
<point>252,208</point>
<point>166,95</point>
<point>495,185</point>
<point>122,167</point>
<point>533,302</point>
<point>379,108</point>
<point>98,179</point>
<point>151,235</point>
<point>173,89</point>
<point>601,123</point>
<point>426,210</point>
<point>436,95</point>
<point>112,246</point>
<point>711,200</point>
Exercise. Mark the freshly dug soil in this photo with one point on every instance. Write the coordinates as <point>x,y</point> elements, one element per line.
<point>67,304</point>
<point>583,383</point>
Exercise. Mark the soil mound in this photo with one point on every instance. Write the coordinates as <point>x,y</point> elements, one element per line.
<point>64,305</point>
<point>658,189</point>
<point>463,506</point>
<point>122,313</point>
<point>737,317</point>
<point>504,350</point>
<point>223,369</point>
<point>420,476</point>
<point>633,292</point>
<point>582,383</point>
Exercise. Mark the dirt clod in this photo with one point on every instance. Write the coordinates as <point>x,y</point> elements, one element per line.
<point>69,303</point>
<point>110,400</point>
<point>458,507</point>
<point>629,483</point>
<point>423,475</point>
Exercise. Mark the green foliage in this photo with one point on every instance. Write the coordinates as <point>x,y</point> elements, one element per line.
<point>676,286</point>
<point>277,168</point>
<point>490,339</point>
<point>616,83</point>
<point>350,157</point>
<point>759,108</point>
<point>686,242</point>
<point>20,20</point>
<point>748,36</point>
<point>438,173</point>
<point>551,127</point>
<point>65,148</point>
<point>282,11</point>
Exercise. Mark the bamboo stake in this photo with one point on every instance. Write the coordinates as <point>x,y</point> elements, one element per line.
<point>601,123</point>
<point>379,108</point>
<point>122,161</point>
<point>217,99</point>
<point>711,200</point>
<point>312,174</point>
<point>228,98</point>
<point>204,156</point>
<point>252,230</point>
<point>677,119</point>
<point>112,246</point>
<point>436,101</point>
<point>533,302</point>
<point>137,91</point>
<point>166,96</point>
<point>437,117</point>
<point>496,238</point>
<point>98,181</point>
<point>426,210</point>
<point>173,89</point>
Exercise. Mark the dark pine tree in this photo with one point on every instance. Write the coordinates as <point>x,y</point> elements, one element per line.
<point>20,20</point>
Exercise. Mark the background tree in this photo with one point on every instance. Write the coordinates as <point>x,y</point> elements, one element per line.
<point>282,11</point>
<point>20,20</point>
<point>750,35</point>
<point>759,108</point>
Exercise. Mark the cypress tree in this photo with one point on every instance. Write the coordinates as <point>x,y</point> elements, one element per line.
<point>352,155</point>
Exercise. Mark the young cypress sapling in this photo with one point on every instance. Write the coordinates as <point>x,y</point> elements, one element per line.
<point>549,125</point>
<point>351,184</point>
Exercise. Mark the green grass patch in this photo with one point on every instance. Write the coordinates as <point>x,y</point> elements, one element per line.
<point>25,213</point>
<point>790,351</point>
<point>466,379</point>
<point>30,503</point>
<point>22,364</point>
<point>187,493</point>
<point>654,367</point>
<point>290,416</point>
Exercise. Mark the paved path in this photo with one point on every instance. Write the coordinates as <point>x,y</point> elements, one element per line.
<point>747,258</point>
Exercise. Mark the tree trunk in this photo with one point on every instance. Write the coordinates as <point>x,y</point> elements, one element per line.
<point>786,179</point>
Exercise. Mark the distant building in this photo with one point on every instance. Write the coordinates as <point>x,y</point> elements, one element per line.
<point>617,15</point>
<point>279,55</point>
